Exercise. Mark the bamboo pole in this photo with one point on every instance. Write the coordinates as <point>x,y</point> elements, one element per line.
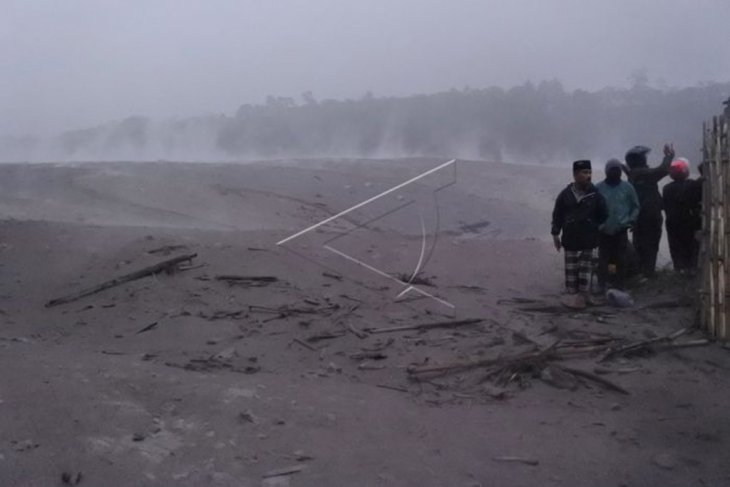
<point>724,163</point>
<point>715,251</point>
<point>704,243</point>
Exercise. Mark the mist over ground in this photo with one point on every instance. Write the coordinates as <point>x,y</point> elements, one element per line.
<point>512,81</point>
<point>530,123</point>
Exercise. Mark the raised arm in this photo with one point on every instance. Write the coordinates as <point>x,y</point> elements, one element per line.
<point>662,170</point>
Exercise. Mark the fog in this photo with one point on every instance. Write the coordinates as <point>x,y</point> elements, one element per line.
<point>78,65</point>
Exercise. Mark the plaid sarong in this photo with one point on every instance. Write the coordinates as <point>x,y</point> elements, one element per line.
<point>579,270</point>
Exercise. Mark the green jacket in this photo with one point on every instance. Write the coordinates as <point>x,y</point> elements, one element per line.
<point>623,206</point>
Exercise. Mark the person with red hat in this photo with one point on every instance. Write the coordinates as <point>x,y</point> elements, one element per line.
<point>682,206</point>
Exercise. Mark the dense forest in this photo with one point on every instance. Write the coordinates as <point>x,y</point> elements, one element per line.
<point>531,123</point>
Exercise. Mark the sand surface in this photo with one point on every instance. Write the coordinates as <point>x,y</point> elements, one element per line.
<point>182,379</point>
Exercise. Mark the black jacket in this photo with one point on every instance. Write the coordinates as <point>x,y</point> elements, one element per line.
<point>579,220</point>
<point>645,180</point>
<point>682,204</point>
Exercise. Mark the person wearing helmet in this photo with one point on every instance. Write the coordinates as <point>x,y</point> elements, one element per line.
<point>682,199</point>
<point>579,211</point>
<point>645,179</point>
<point>613,240</point>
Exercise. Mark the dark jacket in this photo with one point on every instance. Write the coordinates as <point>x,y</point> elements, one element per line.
<point>579,220</point>
<point>682,204</point>
<point>645,180</point>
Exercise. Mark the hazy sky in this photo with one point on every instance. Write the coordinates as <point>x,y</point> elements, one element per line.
<point>73,63</point>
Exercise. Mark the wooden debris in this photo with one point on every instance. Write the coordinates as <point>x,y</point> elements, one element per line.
<point>247,281</point>
<point>285,311</point>
<point>332,276</point>
<point>167,265</point>
<point>477,289</point>
<point>358,333</point>
<point>186,268</point>
<point>508,368</point>
<point>606,370</point>
<point>510,459</point>
<point>686,344</point>
<point>643,344</point>
<point>426,326</point>
<point>597,379</point>
<point>71,479</point>
<point>304,344</point>
<point>392,388</point>
<point>284,471</point>
<point>471,364</point>
<point>323,336</point>
<point>147,328</point>
<point>415,280</point>
<point>368,356</point>
<point>167,249</point>
<point>224,315</point>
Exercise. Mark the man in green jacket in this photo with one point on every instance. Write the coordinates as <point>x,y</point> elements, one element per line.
<point>623,210</point>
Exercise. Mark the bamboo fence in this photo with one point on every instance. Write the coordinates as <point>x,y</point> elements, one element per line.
<point>714,243</point>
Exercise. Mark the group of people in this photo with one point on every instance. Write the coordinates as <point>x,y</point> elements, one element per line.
<point>591,223</point>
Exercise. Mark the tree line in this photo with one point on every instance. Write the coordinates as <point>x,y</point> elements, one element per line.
<point>533,123</point>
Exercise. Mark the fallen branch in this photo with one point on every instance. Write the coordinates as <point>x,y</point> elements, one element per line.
<point>280,472</point>
<point>643,344</point>
<point>426,326</point>
<point>471,364</point>
<point>304,344</point>
<point>147,328</point>
<point>625,370</point>
<point>360,334</point>
<point>595,378</point>
<point>166,265</point>
<point>368,356</point>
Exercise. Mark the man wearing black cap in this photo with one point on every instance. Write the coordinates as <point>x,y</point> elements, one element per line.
<point>579,211</point>
<point>648,231</point>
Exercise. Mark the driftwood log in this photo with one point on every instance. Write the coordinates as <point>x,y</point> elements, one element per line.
<point>147,271</point>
